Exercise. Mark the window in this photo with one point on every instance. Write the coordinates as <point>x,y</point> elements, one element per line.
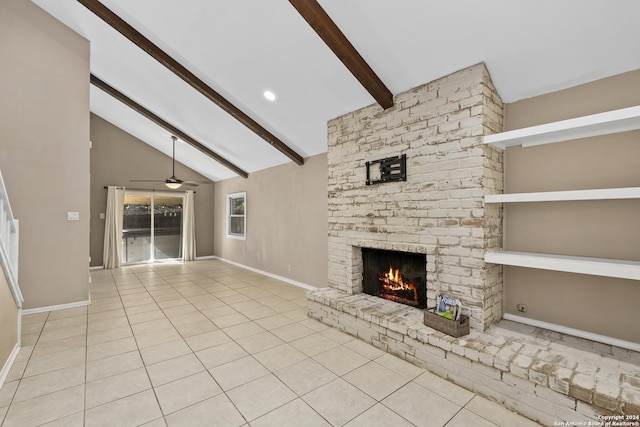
<point>236,216</point>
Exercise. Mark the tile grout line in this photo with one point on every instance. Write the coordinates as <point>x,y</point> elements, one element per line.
<point>194,353</point>
<point>24,370</point>
<point>475,413</point>
<point>184,340</point>
<point>223,391</point>
<point>137,349</point>
<point>51,371</point>
<point>454,415</point>
<point>144,364</point>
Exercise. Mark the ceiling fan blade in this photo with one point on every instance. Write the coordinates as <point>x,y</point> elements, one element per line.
<point>146,180</point>
<point>196,182</point>
<point>190,184</point>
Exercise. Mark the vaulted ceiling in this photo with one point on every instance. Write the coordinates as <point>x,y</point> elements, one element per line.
<point>238,49</point>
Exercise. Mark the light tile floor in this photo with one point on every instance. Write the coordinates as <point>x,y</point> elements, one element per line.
<point>206,343</point>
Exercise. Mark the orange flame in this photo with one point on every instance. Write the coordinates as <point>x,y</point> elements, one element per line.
<point>393,281</point>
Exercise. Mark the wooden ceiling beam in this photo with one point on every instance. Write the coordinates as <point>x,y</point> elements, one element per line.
<point>179,70</point>
<point>165,125</point>
<point>329,32</point>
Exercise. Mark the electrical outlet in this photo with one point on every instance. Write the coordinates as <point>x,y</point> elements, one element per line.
<point>521,308</point>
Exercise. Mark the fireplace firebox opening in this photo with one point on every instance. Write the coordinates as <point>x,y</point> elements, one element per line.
<point>396,276</point>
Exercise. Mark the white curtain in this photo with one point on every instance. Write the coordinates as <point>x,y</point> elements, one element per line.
<point>112,251</point>
<point>188,228</point>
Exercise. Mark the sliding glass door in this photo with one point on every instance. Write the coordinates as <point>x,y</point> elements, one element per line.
<point>167,232</point>
<point>152,226</point>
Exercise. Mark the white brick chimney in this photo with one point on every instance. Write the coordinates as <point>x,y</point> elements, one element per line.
<point>439,210</point>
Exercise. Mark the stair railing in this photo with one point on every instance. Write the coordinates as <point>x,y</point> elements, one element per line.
<point>9,237</point>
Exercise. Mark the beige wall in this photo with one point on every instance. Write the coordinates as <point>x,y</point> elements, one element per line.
<point>606,229</point>
<point>8,320</point>
<point>286,221</point>
<point>116,158</point>
<point>44,135</point>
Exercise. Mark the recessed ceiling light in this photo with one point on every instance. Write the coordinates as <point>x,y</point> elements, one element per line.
<point>269,95</point>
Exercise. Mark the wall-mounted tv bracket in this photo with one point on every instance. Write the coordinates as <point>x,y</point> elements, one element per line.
<point>391,169</point>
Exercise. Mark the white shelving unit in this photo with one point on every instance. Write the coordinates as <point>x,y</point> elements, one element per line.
<point>622,120</point>
<point>621,269</point>
<point>615,121</point>
<point>557,196</point>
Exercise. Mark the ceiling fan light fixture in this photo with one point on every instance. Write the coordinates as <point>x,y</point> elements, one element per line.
<point>173,185</point>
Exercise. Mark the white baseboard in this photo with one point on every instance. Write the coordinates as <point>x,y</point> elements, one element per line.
<point>9,363</point>
<point>56,307</point>
<point>571,331</point>
<point>266,273</point>
<point>97,267</point>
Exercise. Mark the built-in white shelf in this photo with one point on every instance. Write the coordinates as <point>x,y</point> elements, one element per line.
<point>621,269</point>
<point>558,196</point>
<point>615,121</point>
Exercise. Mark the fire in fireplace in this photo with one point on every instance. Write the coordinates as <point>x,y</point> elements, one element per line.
<point>396,276</point>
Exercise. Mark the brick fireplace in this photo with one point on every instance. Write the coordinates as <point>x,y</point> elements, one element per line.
<point>438,212</point>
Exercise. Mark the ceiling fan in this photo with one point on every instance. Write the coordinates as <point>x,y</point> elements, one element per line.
<point>173,183</point>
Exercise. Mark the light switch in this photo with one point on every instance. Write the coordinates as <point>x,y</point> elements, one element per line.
<point>73,216</point>
<point>101,215</point>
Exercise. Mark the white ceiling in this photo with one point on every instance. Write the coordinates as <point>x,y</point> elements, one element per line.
<point>242,48</point>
